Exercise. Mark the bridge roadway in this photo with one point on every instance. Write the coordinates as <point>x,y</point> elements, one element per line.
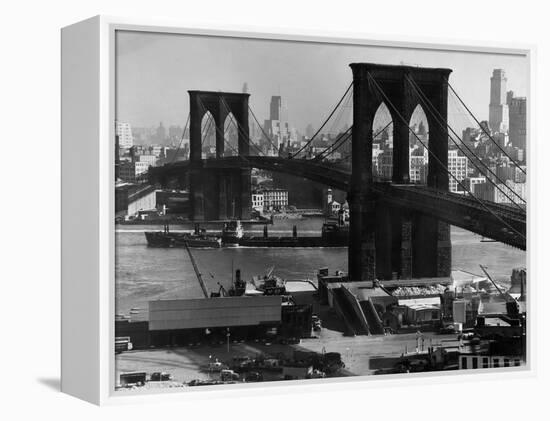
<point>499,222</point>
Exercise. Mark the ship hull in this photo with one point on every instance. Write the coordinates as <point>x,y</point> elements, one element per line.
<point>163,239</point>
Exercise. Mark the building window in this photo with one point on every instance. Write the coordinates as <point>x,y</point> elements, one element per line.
<point>485,362</point>
<point>464,362</point>
<point>496,363</point>
<point>517,362</point>
<point>506,362</point>
<point>474,362</point>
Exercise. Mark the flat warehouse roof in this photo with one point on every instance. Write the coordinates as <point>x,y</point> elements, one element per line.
<point>214,312</point>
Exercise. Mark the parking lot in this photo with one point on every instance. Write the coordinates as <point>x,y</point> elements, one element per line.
<point>362,355</point>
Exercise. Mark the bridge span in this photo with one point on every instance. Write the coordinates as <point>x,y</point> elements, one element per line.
<point>485,218</point>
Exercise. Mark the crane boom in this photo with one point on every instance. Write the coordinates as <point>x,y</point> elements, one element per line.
<point>484,269</point>
<point>197,272</point>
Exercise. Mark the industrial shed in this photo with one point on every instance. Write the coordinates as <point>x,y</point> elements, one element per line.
<point>214,312</point>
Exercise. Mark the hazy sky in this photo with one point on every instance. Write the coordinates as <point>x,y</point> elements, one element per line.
<point>155,71</point>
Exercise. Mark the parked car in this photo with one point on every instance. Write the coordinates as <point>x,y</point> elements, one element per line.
<point>466,335</point>
<point>254,376</point>
<point>447,329</point>
<point>159,377</point>
<point>316,374</point>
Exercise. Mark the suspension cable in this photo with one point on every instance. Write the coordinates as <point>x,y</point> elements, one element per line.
<point>223,137</point>
<point>239,128</point>
<point>181,140</point>
<point>334,147</point>
<point>374,136</point>
<point>439,119</point>
<point>325,122</point>
<point>485,130</point>
<point>216,129</point>
<point>379,88</point>
<point>342,110</point>
<point>241,131</point>
<point>206,129</point>
<point>342,137</point>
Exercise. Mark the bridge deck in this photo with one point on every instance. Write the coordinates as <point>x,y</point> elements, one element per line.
<point>500,222</point>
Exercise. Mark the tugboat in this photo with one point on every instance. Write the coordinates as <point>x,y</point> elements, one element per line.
<point>335,232</point>
<point>232,232</point>
<point>270,284</point>
<point>237,288</point>
<point>179,239</point>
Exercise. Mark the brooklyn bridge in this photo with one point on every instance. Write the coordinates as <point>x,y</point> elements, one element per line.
<point>396,226</point>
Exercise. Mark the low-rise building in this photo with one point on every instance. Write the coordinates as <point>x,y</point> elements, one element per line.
<point>505,193</point>
<point>149,159</point>
<point>334,207</point>
<point>173,201</point>
<point>418,165</point>
<point>275,199</point>
<point>474,361</point>
<point>130,199</point>
<point>385,164</point>
<point>258,201</point>
<point>129,171</point>
<point>469,183</point>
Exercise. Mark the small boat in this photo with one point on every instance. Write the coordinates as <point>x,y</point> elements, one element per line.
<point>179,239</point>
<point>335,234</point>
<point>269,284</point>
<point>232,232</point>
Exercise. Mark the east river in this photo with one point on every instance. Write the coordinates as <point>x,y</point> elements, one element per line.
<point>145,273</point>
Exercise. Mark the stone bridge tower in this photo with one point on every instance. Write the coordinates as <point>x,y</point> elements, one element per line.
<point>385,241</point>
<point>218,193</point>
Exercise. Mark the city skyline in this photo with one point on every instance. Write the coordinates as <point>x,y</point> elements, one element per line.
<point>154,73</point>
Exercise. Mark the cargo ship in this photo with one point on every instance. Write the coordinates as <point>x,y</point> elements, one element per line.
<point>197,239</point>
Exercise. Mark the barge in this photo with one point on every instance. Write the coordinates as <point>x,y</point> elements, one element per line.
<point>166,238</point>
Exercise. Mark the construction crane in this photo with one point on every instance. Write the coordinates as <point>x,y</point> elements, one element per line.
<point>514,309</point>
<point>197,272</point>
<point>484,269</point>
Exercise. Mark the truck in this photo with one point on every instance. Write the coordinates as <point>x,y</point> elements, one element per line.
<point>228,375</point>
<point>136,378</point>
<point>160,377</point>
<point>122,343</point>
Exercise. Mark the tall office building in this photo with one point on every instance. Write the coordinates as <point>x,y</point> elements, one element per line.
<point>161,133</point>
<point>277,127</point>
<point>275,108</point>
<point>458,167</point>
<point>518,121</point>
<point>124,133</point>
<point>498,108</point>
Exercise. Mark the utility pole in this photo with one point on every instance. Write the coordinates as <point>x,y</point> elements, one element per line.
<point>228,335</point>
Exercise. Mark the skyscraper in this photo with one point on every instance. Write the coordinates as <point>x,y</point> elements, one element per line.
<point>277,128</point>
<point>161,133</point>
<point>518,121</point>
<point>124,133</point>
<point>498,109</point>
<point>275,108</point>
